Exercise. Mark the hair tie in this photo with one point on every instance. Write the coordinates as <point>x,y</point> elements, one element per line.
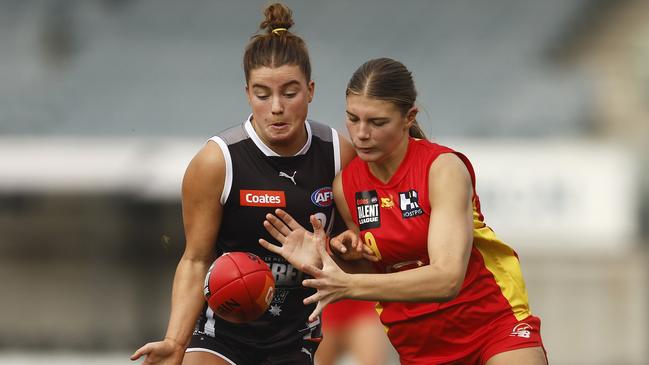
<point>277,30</point>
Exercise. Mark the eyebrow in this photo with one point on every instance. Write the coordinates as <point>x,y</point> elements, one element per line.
<point>286,84</point>
<point>370,119</point>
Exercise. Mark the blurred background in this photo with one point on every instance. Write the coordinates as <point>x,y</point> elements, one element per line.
<point>104,102</point>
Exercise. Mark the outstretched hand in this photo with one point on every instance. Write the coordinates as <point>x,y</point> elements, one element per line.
<point>349,247</point>
<point>165,352</point>
<point>331,282</point>
<point>298,246</point>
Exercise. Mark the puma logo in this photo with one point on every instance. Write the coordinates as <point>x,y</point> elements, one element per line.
<point>292,178</point>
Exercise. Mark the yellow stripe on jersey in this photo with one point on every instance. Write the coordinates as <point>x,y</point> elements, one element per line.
<point>501,261</point>
<point>379,309</point>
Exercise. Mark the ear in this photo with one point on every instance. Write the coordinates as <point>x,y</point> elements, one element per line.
<point>310,90</point>
<point>246,89</point>
<point>411,116</point>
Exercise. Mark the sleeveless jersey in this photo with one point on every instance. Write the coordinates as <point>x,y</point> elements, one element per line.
<point>257,182</point>
<point>393,218</point>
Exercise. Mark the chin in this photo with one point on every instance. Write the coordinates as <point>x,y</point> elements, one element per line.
<point>368,157</point>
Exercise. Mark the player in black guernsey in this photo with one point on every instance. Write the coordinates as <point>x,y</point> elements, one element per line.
<point>257,182</point>
<point>276,159</point>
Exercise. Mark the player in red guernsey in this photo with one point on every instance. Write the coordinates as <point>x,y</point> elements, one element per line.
<point>450,291</point>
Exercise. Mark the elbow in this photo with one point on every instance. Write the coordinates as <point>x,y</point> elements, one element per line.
<point>450,288</point>
<point>448,293</point>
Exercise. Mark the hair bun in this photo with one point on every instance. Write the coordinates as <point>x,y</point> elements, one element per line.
<point>277,16</point>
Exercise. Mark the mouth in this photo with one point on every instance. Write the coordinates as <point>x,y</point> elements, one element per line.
<point>279,126</point>
<point>364,149</point>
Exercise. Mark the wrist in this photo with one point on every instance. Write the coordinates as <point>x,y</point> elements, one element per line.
<point>175,343</point>
<point>348,291</point>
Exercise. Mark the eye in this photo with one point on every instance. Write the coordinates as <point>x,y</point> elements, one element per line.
<point>352,119</point>
<point>262,96</point>
<point>290,95</point>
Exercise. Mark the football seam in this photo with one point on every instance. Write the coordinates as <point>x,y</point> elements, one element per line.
<point>240,276</point>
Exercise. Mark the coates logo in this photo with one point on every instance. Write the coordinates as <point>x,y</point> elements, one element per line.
<point>323,197</point>
<point>262,198</point>
<point>522,330</point>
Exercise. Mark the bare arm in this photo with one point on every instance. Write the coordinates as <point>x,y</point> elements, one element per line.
<point>347,151</point>
<point>202,213</point>
<point>449,246</point>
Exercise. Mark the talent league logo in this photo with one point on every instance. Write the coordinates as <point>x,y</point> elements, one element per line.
<point>409,204</point>
<point>367,206</point>
<point>323,197</point>
<point>262,198</point>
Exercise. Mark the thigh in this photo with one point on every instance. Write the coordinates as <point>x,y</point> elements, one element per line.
<point>205,349</point>
<point>525,356</point>
<point>205,358</point>
<point>329,349</point>
<point>367,341</point>
<point>300,353</point>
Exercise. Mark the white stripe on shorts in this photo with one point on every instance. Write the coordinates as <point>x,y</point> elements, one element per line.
<point>200,349</point>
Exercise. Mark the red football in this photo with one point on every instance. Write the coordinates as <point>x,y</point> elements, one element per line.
<point>239,287</point>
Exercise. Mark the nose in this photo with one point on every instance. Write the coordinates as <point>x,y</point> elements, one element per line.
<point>276,105</point>
<point>362,131</point>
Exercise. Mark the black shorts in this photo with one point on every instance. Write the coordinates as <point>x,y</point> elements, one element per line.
<point>236,353</point>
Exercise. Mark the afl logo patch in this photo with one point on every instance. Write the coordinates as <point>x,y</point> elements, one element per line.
<point>323,197</point>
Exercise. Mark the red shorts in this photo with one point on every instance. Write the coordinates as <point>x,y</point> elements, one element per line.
<point>420,340</point>
<point>339,314</point>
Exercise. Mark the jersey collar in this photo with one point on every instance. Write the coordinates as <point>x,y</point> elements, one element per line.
<point>265,149</point>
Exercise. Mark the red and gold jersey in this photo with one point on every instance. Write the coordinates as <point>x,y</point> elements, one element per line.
<point>393,219</point>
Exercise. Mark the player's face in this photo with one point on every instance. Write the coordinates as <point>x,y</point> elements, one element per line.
<point>377,128</point>
<point>279,98</point>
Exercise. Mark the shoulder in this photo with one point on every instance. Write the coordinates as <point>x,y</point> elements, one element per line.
<point>428,147</point>
<point>448,170</point>
<point>207,166</point>
<point>321,131</point>
<point>231,135</point>
<point>354,166</point>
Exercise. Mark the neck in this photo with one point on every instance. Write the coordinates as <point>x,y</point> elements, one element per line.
<point>290,147</point>
<point>386,168</point>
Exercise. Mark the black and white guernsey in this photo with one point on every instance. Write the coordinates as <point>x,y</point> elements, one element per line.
<point>257,182</point>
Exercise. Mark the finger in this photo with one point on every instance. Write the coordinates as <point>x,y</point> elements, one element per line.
<point>141,351</point>
<point>359,246</point>
<point>270,247</point>
<point>313,283</point>
<point>324,256</point>
<point>277,224</point>
<point>316,312</point>
<point>312,299</point>
<point>370,257</point>
<point>320,243</point>
<point>312,270</point>
<point>337,245</point>
<point>288,220</point>
<point>274,232</point>
<point>317,226</point>
<point>368,250</point>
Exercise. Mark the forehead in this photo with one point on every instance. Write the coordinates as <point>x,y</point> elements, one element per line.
<point>362,105</point>
<point>276,76</point>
